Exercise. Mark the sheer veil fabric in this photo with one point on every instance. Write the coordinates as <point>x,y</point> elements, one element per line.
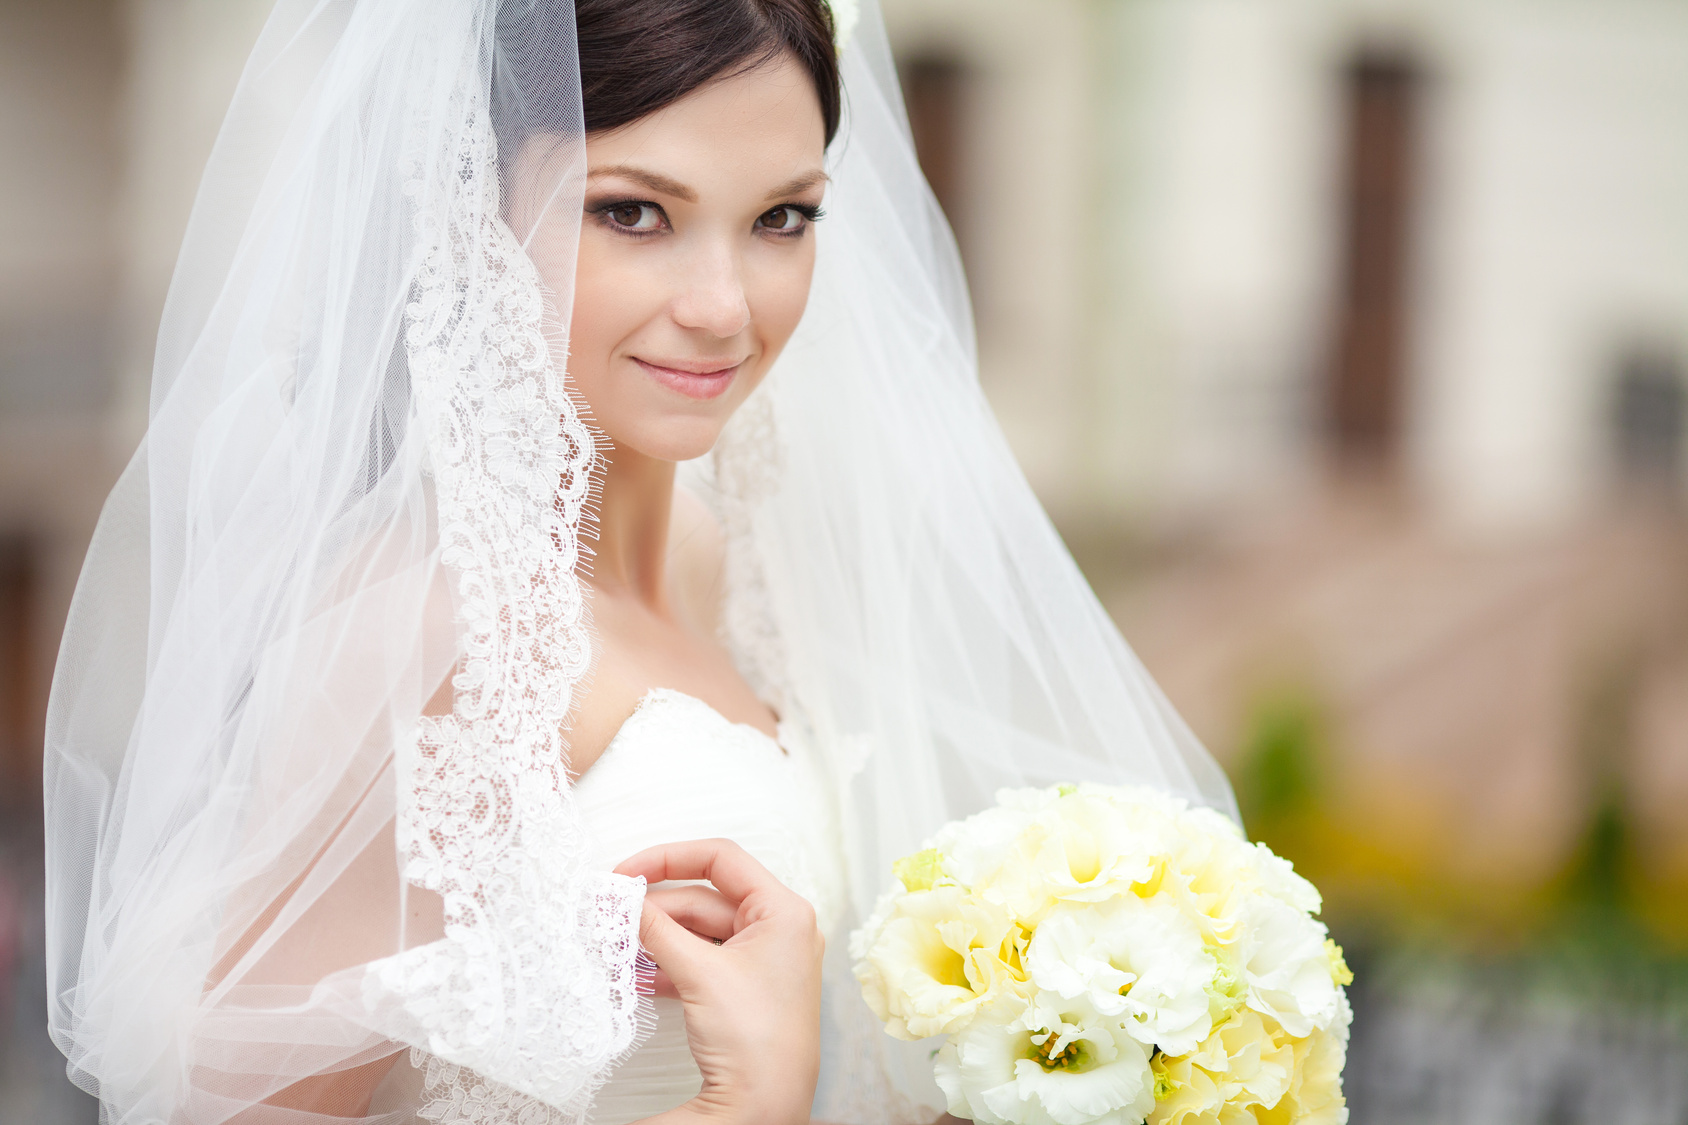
<point>274,853</point>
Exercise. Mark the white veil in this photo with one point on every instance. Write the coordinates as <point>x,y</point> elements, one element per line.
<point>364,470</point>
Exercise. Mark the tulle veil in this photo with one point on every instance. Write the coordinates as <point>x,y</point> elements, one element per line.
<point>365,477</point>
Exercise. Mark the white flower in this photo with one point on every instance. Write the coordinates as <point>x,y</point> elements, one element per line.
<point>1050,1062</point>
<point>1286,967</point>
<point>1277,877</point>
<point>974,850</point>
<point>1211,821</point>
<point>1139,959</point>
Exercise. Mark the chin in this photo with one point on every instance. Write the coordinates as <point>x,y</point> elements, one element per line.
<point>672,440</point>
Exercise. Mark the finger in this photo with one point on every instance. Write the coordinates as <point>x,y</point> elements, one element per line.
<point>732,869</point>
<point>678,953</point>
<point>650,979</point>
<point>702,910</point>
<point>659,983</point>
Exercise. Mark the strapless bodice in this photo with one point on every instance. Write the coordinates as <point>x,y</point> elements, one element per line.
<point>678,770</point>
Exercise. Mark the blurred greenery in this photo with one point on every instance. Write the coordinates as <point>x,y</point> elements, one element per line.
<point>1278,779</point>
<point>1603,928</point>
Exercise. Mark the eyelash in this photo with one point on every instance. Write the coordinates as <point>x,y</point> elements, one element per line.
<point>602,211</point>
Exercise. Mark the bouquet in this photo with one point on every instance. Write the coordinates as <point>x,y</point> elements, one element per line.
<point>1103,954</point>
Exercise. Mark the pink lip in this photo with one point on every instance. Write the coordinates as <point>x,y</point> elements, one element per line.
<point>704,383</point>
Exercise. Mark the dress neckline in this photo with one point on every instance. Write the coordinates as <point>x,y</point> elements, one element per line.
<point>658,695</point>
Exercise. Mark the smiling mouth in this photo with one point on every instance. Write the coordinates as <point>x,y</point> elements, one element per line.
<point>705,383</point>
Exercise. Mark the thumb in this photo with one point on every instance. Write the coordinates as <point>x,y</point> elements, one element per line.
<point>676,950</point>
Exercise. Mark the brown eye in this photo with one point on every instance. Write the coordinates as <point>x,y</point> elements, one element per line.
<point>782,219</point>
<point>634,216</point>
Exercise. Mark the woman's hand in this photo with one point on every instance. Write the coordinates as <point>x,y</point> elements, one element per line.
<point>744,958</point>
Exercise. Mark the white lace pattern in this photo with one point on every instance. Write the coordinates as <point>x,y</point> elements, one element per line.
<point>531,997</point>
<point>746,464</point>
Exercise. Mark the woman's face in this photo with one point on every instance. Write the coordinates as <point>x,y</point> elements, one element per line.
<point>695,257</point>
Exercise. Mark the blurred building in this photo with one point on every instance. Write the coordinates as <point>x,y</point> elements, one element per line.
<point>1215,242</point>
<point>107,111</point>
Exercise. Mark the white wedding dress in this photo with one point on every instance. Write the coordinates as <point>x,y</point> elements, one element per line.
<point>678,770</point>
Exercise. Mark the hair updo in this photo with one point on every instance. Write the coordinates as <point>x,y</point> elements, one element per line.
<point>639,56</point>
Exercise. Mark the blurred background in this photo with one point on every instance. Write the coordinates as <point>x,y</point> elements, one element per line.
<point>1346,342</point>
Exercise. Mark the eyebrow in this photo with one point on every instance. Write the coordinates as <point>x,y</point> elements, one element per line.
<point>656,181</point>
<point>666,185</point>
<point>798,184</point>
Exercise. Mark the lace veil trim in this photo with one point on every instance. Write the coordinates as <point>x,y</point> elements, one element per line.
<point>530,999</point>
<point>746,463</point>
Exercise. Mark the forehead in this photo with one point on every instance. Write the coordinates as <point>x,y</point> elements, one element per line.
<point>763,123</point>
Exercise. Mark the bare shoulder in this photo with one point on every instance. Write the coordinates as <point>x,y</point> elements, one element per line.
<point>697,551</point>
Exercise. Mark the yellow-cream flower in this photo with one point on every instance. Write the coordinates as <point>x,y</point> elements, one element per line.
<point>1096,952</point>
<point>1241,1065</point>
<point>1315,1093</point>
<point>928,962</point>
<point>1082,845</point>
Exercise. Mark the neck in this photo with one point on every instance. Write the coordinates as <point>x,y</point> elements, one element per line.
<point>631,554</point>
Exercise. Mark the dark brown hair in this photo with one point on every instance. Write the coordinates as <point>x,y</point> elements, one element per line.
<point>638,56</point>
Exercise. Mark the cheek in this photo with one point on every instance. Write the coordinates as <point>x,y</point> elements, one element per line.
<point>779,295</point>
<point>609,304</point>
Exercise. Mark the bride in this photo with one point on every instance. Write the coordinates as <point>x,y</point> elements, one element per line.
<point>570,558</point>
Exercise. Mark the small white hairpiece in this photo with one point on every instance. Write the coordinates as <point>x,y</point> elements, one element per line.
<point>845,13</point>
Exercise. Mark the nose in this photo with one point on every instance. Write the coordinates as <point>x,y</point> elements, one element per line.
<point>713,296</point>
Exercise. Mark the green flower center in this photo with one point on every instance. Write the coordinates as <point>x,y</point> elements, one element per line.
<point>1071,1057</point>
